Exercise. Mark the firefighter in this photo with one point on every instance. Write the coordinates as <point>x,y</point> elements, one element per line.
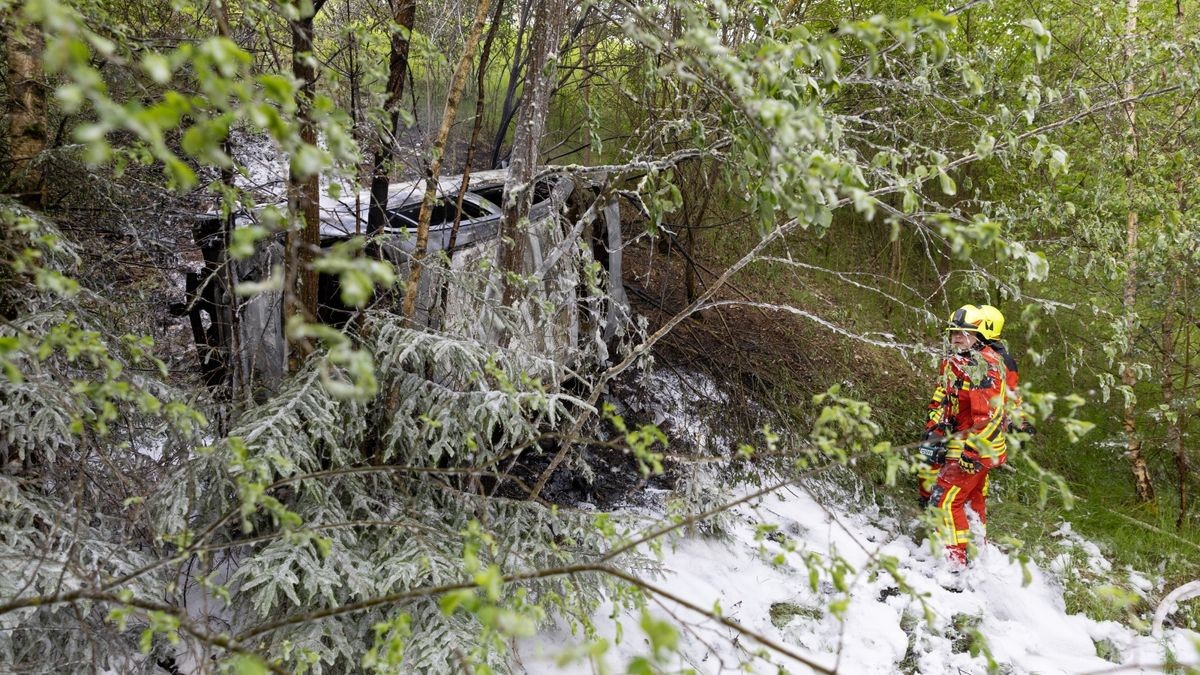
<point>990,329</point>
<point>967,414</point>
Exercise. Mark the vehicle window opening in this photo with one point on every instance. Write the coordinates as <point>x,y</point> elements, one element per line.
<point>443,214</point>
<point>541,192</point>
<point>494,195</point>
<point>471,210</point>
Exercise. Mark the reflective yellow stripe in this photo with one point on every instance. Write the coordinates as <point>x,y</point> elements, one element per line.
<point>993,425</point>
<point>947,514</point>
<point>1003,452</point>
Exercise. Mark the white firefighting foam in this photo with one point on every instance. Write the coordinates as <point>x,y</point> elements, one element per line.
<point>881,629</point>
<point>1019,611</point>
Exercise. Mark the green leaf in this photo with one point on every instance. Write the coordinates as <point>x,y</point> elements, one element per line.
<point>9,344</point>
<point>56,283</point>
<point>308,160</point>
<point>245,664</point>
<point>490,580</point>
<point>277,88</point>
<point>640,666</point>
<point>181,176</point>
<point>157,67</point>
<point>824,218</point>
<point>947,183</point>
<point>1035,27</point>
<point>1058,161</point>
<point>985,145</point>
<point>12,373</point>
<point>662,634</point>
<point>1040,40</point>
<point>244,239</point>
<point>838,607</point>
<point>455,599</point>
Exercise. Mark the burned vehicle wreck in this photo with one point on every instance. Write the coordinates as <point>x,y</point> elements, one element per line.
<point>226,324</point>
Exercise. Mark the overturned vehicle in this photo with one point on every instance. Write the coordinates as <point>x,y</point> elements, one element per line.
<point>459,289</point>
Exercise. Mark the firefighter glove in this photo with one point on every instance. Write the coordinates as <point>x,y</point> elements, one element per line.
<point>932,451</point>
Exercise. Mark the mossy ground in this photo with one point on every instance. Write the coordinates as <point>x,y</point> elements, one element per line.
<point>782,613</point>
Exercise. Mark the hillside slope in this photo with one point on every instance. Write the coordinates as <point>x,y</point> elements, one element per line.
<point>1016,615</point>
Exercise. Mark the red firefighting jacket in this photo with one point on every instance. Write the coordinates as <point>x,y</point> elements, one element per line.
<point>1016,414</point>
<point>969,404</point>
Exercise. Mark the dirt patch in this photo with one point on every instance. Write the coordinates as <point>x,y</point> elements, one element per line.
<point>773,357</point>
<point>595,476</point>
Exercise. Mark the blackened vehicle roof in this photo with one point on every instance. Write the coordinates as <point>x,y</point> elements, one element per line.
<point>347,215</point>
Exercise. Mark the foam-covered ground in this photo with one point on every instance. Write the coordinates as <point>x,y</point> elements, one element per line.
<point>1019,612</point>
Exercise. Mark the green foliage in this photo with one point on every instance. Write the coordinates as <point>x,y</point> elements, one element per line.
<point>381,469</point>
<point>76,394</point>
<point>640,441</point>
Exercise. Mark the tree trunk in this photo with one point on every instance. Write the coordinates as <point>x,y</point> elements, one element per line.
<point>476,128</point>
<point>1170,337</point>
<point>531,125</point>
<point>696,220</point>
<point>303,236</point>
<point>404,14</point>
<point>1183,464</point>
<point>477,125</point>
<point>1167,377</point>
<point>1137,461</point>
<point>26,114</point>
<point>1175,425</point>
<point>27,131</point>
<point>435,164</point>
<point>512,101</point>
<point>238,381</point>
<point>508,109</point>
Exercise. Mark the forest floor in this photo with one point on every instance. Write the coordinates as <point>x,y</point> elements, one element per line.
<point>776,358</point>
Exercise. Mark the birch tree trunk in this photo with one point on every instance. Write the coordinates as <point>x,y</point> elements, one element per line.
<point>404,14</point>
<point>435,164</point>
<point>438,312</point>
<point>1137,461</point>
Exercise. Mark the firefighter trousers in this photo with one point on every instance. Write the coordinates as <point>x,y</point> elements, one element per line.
<point>953,491</point>
<point>927,480</point>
